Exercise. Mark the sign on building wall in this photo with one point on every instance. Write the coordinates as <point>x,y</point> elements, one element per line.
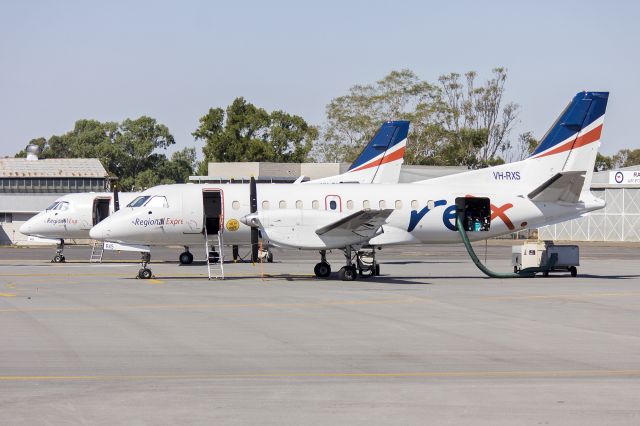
<point>626,177</point>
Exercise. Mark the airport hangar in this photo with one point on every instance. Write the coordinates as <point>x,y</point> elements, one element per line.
<point>29,185</point>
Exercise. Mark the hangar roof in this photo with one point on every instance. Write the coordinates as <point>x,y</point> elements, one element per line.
<point>52,167</point>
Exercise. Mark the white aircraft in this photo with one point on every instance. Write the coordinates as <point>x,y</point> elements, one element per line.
<point>550,186</point>
<point>72,216</point>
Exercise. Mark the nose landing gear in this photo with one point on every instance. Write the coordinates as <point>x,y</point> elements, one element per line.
<point>145,273</point>
<point>59,257</point>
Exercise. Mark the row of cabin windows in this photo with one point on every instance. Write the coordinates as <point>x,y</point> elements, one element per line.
<point>333,204</point>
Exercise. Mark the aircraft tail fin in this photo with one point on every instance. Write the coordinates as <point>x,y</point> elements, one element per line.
<point>381,160</point>
<point>572,142</point>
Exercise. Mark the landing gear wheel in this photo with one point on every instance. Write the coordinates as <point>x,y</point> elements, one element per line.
<point>144,273</point>
<point>348,273</point>
<point>58,258</point>
<point>269,257</point>
<point>214,257</point>
<point>186,258</point>
<point>545,274</point>
<point>322,270</point>
<point>377,270</point>
<point>574,271</point>
<point>515,269</point>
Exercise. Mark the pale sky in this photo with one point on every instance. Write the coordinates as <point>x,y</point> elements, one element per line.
<point>61,61</point>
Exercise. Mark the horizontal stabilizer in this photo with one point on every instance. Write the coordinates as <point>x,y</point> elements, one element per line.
<point>565,186</point>
<point>364,223</point>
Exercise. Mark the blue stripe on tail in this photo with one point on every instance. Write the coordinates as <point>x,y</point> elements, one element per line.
<point>584,109</point>
<point>389,134</point>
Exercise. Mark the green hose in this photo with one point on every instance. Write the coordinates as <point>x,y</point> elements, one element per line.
<point>524,273</point>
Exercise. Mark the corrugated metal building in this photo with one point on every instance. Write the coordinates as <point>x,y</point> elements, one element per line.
<point>28,186</point>
<point>618,221</point>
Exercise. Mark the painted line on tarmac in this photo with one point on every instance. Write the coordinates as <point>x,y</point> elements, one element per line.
<point>319,375</point>
<point>214,306</point>
<point>7,295</point>
<point>563,296</point>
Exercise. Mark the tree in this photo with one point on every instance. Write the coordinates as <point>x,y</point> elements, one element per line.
<point>602,163</point>
<point>626,158</point>
<point>125,149</point>
<point>244,132</point>
<point>454,122</point>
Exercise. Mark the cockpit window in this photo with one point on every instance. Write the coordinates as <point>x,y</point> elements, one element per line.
<point>157,201</point>
<point>59,205</point>
<point>139,201</point>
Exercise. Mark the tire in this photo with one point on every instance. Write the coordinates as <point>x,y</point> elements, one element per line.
<point>270,257</point>
<point>348,273</point>
<point>574,271</point>
<point>515,269</point>
<point>377,270</point>
<point>144,273</point>
<point>186,258</point>
<point>322,270</point>
<point>58,258</point>
<point>545,274</point>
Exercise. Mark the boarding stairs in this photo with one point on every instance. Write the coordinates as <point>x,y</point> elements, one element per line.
<point>215,267</point>
<point>97,251</point>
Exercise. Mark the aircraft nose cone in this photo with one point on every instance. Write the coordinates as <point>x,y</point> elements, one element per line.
<point>25,228</point>
<point>99,232</point>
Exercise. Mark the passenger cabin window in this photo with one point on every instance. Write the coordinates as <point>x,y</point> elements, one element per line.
<point>235,205</point>
<point>283,204</point>
<point>382,204</point>
<point>139,201</point>
<point>299,204</point>
<point>350,204</point>
<point>333,205</point>
<point>414,204</point>
<point>265,204</point>
<point>398,204</point>
<point>366,204</point>
<point>157,201</point>
<point>315,205</point>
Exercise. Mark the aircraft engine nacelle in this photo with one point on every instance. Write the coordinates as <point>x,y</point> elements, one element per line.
<point>295,228</point>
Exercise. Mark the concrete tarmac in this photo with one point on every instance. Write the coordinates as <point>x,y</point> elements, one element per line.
<point>431,341</point>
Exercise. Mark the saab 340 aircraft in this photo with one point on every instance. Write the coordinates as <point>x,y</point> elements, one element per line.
<point>72,216</point>
<point>550,186</point>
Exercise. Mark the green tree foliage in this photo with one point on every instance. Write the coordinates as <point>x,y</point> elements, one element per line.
<point>454,121</point>
<point>244,132</point>
<point>128,151</point>
<point>623,158</point>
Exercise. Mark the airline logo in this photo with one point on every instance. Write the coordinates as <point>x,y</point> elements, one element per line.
<point>157,222</point>
<point>64,221</point>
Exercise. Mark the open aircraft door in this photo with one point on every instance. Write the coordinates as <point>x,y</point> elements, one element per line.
<point>192,210</point>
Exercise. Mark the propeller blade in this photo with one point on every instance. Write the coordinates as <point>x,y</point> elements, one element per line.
<point>253,207</point>
<point>116,199</point>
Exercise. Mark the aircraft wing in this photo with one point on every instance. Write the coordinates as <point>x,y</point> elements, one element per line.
<point>364,223</point>
<point>564,186</point>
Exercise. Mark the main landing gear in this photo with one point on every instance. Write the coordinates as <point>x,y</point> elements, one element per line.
<point>322,269</point>
<point>186,258</point>
<point>145,273</point>
<point>59,257</point>
<point>358,262</point>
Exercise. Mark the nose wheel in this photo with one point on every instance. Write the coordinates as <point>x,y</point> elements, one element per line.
<point>145,273</point>
<point>59,257</point>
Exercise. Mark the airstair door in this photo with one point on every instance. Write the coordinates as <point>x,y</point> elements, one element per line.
<point>213,220</point>
<point>192,209</point>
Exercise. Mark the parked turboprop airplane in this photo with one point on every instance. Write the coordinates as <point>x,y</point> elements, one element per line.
<point>72,216</point>
<point>550,186</point>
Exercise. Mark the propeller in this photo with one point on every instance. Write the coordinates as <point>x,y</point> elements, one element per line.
<point>253,208</point>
